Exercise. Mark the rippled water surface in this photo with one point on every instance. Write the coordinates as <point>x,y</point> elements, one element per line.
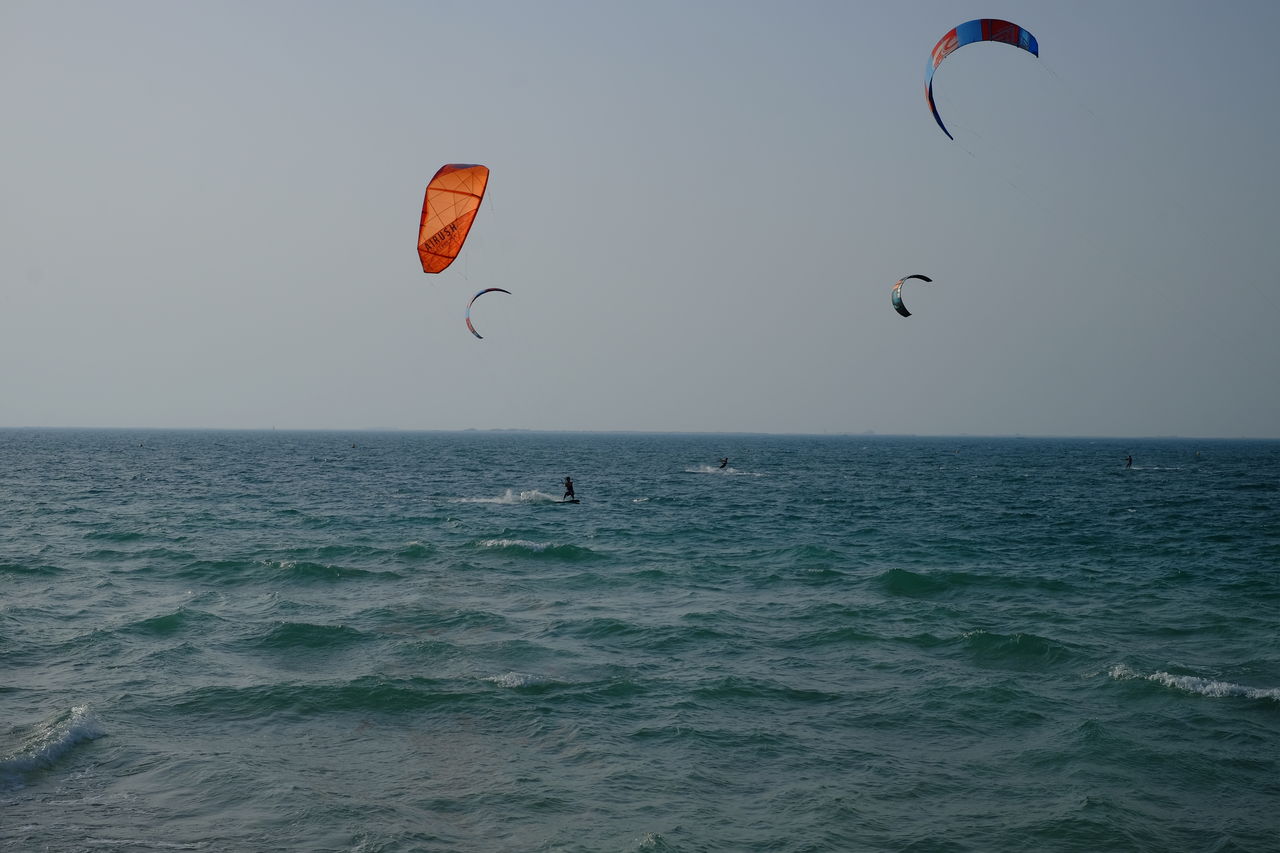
<point>402,641</point>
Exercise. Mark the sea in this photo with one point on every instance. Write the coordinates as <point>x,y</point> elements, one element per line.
<point>404,641</point>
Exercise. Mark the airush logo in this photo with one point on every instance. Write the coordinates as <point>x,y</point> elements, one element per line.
<point>445,233</point>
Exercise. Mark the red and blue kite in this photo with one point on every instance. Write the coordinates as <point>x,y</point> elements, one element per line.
<point>979,29</point>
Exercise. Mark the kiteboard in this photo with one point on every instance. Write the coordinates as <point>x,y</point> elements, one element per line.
<point>570,501</point>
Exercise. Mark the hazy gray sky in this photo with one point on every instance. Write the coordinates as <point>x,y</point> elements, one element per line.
<point>208,217</point>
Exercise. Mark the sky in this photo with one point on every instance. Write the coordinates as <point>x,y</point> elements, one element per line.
<point>209,214</point>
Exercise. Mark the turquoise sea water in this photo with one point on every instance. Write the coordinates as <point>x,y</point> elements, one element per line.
<point>257,641</point>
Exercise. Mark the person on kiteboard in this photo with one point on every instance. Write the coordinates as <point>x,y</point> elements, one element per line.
<point>568,489</point>
<point>724,462</point>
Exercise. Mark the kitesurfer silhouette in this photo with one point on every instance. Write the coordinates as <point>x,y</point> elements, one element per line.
<point>724,462</point>
<point>568,489</point>
<point>1128,462</point>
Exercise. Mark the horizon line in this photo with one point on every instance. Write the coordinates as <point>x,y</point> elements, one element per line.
<point>827,434</point>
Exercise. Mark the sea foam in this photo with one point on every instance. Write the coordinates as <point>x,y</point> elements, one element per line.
<point>47,743</point>
<point>517,679</point>
<point>726,472</point>
<point>1196,684</point>
<point>524,544</point>
<point>511,496</point>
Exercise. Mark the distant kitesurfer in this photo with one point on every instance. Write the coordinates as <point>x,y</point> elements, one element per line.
<point>1128,462</point>
<point>724,462</point>
<point>568,489</point>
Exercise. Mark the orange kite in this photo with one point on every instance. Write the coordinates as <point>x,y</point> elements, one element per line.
<point>449,208</point>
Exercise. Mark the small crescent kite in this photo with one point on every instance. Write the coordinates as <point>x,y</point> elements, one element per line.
<point>979,29</point>
<point>897,294</point>
<point>473,299</point>
<point>448,209</point>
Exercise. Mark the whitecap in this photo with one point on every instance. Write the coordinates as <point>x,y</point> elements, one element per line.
<point>517,679</point>
<point>48,743</point>
<point>510,496</point>
<point>1196,684</point>
<point>515,543</point>
<point>653,841</point>
<point>724,472</point>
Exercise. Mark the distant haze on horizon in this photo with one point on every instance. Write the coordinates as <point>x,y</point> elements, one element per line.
<point>209,214</point>
<point>338,432</point>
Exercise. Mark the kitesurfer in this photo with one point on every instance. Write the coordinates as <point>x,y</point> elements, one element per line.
<point>1128,462</point>
<point>568,489</point>
<point>724,462</point>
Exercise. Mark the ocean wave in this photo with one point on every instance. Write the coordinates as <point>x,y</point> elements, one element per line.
<point>115,535</point>
<point>808,564</point>
<point>600,628</point>
<point>766,740</point>
<point>233,571</point>
<point>841,635</point>
<point>167,624</point>
<point>922,641</point>
<point>800,554</point>
<point>569,692</point>
<point>42,748</point>
<point>37,570</point>
<point>517,544</point>
<point>653,842</point>
<point>305,570</point>
<point>739,689</point>
<point>667,639</point>
<point>540,549</point>
<point>1027,649</point>
<point>294,635</point>
<point>1196,684</point>
<point>219,571</point>
<point>916,585</point>
<point>650,574</point>
<point>458,618</point>
<point>911,584</point>
<point>367,693</point>
<point>516,680</point>
<point>661,639</point>
<point>341,551</point>
<point>108,555</point>
<point>416,550</point>
<point>815,576</point>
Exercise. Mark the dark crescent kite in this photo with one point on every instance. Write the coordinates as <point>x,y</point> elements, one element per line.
<point>473,299</point>
<point>897,294</point>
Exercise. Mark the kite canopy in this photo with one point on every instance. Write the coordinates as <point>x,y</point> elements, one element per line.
<point>450,206</point>
<point>979,29</point>
<point>897,294</point>
<point>473,299</point>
